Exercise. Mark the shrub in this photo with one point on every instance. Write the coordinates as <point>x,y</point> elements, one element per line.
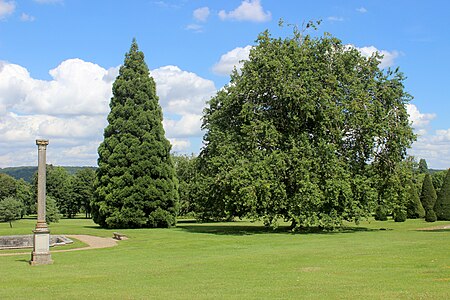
<point>400,214</point>
<point>414,208</point>
<point>381,213</point>
<point>430,216</point>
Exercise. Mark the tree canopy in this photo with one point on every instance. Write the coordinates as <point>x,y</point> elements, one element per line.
<point>136,181</point>
<point>309,131</point>
<point>10,210</point>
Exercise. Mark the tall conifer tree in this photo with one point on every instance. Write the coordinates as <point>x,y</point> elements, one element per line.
<point>136,182</point>
<point>428,198</point>
<point>442,206</point>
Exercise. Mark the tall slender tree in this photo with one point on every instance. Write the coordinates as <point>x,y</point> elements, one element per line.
<point>136,182</point>
<point>428,198</point>
<point>442,205</point>
<point>423,166</point>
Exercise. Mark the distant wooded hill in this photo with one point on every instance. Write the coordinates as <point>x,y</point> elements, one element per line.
<point>26,173</point>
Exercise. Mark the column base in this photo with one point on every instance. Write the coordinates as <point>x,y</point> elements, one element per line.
<point>41,253</point>
<point>41,259</point>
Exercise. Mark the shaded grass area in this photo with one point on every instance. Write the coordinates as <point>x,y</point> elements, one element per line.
<point>238,260</point>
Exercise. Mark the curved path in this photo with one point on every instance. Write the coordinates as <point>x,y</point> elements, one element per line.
<point>93,242</point>
<point>435,227</point>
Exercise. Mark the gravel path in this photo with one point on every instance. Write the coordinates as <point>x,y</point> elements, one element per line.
<point>436,227</point>
<point>93,242</point>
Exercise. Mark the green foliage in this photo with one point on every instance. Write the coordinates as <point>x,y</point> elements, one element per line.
<point>25,173</point>
<point>7,186</point>
<point>52,214</point>
<point>10,210</point>
<point>399,214</point>
<point>381,213</point>
<point>423,167</point>
<point>136,178</point>
<point>24,193</point>
<point>430,216</point>
<point>428,198</point>
<point>83,189</point>
<point>310,131</point>
<point>438,180</point>
<point>186,174</point>
<point>59,187</point>
<point>414,208</point>
<point>442,205</point>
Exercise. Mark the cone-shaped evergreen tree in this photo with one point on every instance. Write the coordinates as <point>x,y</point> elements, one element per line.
<point>136,184</point>
<point>414,207</point>
<point>423,167</point>
<point>442,206</point>
<point>428,198</point>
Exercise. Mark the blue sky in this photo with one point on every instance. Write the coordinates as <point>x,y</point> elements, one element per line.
<point>58,59</point>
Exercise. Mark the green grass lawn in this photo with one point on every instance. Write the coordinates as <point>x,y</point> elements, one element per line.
<point>239,260</point>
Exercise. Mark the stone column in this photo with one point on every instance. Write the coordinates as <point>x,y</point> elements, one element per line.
<point>41,241</point>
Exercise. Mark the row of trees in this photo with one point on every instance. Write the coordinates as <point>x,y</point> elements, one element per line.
<point>309,131</point>
<point>422,194</point>
<point>67,194</point>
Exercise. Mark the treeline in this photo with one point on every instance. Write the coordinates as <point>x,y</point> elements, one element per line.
<point>424,193</point>
<point>67,194</point>
<point>26,172</point>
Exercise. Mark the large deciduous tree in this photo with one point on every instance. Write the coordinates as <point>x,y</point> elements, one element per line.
<point>136,181</point>
<point>8,186</point>
<point>83,189</point>
<point>10,210</point>
<point>309,131</point>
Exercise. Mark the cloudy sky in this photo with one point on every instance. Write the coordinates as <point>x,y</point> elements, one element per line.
<point>59,58</point>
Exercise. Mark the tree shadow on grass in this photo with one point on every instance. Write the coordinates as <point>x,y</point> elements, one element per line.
<point>95,227</point>
<point>241,230</point>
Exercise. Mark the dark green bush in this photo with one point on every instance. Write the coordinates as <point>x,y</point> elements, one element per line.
<point>381,213</point>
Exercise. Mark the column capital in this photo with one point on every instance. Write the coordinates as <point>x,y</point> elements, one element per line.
<point>42,142</point>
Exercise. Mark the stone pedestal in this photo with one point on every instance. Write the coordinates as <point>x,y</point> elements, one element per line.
<point>41,254</point>
<point>41,240</point>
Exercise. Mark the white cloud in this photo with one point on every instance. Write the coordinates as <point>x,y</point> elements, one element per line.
<point>335,19</point>
<point>201,14</point>
<point>180,145</point>
<point>231,59</point>
<point>71,109</point>
<point>26,18</point>
<point>435,148</point>
<point>78,87</point>
<point>182,92</point>
<point>249,10</point>
<point>195,27</point>
<point>388,59</point>
<point>189,125</point>
<point>6,8</point>
<point>362,10</point>
<point>418,119</point>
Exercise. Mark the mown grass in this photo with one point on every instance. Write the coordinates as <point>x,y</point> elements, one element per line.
<point>239,260</point>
